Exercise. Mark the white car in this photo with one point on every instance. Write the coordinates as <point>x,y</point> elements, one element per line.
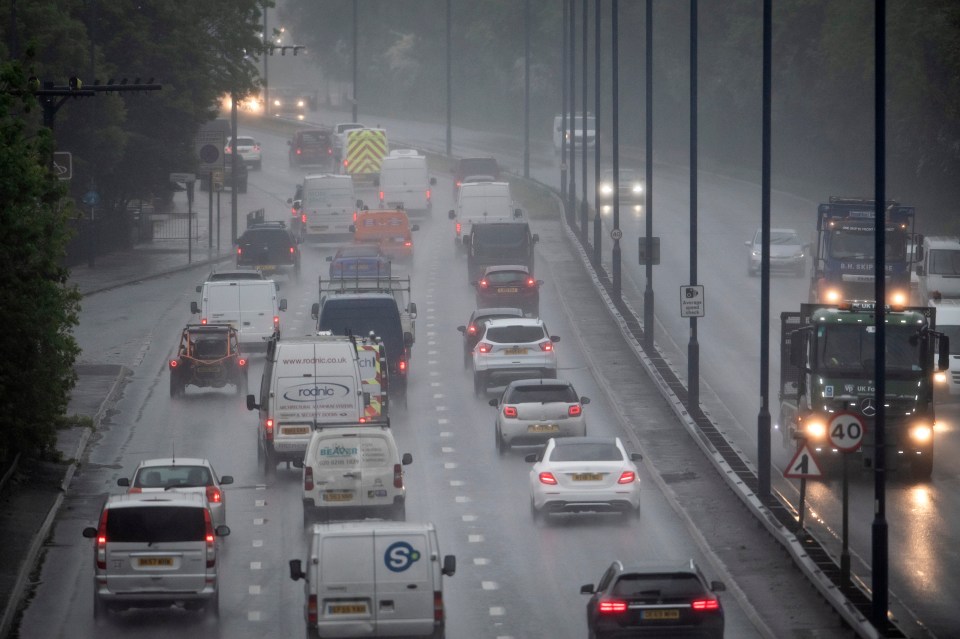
<point>249,150</point>
<point>584,474</point>
<point>181,475</point>
<point>513,349</point>
<point>531,411</point>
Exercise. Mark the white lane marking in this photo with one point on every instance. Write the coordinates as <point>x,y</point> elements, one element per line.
<point>434,373</point>
<point>474,539</point>
<point>489,585</point>
<point>254,590</point>
<point>456,482</point>
<point>440,409</point>
<point>432,342</point>
<point>431,334</point>
<point>435,384</point>
<point>469,518</point>
<point>258,543</point>
<point>431,361</point>
<point>253,615</point>
<point>260,503</point>
<point>433,352</point>
<point>450,465</point>
<point>431,325</point>
<point>497,611</point>
<point>446,434</point>
<point>462,499</point>
<point>438,395</point>
<point>261,487</point>
<point>446,449</point>
<point>255,565</point>
<point>258,521</point>
<point>480,561</point>
<point>441,421</point>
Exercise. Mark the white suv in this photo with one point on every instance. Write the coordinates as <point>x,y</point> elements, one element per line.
<point>513,349</point>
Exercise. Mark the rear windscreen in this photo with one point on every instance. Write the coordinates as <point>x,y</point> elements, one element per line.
<point>514,334</point>
<point>155,524</point>
<point>173,477</point>
<point>500,235</point>
<point>592,451</point>
<point>272,239</point>
<point>361,317</point>
<point>666,586</point>
<point>542,393</point>
<point>210,347</point>
<point>506,277</point>
<point>314,137</point>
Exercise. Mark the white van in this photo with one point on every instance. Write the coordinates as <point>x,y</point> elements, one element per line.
<point>939,269</point>
<point>326,206</point>
<point>948,323</point>
<point>575,122</point>
<point>155,550</point>
<point>404,182</point>
<point>481,202</point>
<point>308,382</point>
<point>355,469</point>
<point>250,306</point>
<point>374,579</point>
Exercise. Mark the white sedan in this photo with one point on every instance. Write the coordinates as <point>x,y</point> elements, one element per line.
<point>182,475</point>
<point>584,474</point>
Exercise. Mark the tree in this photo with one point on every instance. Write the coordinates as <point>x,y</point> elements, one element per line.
<point>39,308</point>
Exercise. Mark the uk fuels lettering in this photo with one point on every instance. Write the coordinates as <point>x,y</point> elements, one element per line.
<point>803,465</point>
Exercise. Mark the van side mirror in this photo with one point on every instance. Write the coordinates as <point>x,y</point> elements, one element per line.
<point>636,457</point>
<point>194,308</point>
<point>415,227</point>
<point>283,304</point>
<point>452,214</point>
<point>462,329</point>
<point>123,481</point>
<point>315,310</point>
<point>493,402</point>
<point>222,530</point>
<point>554,338</point>
<point>89,533</point>
<point>252,403</point>
<point>296,570</point>
<point>584,400</point>
<point>517,212</point>
<point>943,359</point>
<point>449,565</point>
<point>536,238</point>
<point>412,309</point>
<point>407,459</point>
<point>532,458</point>
<point>226,479</point>
<point>586,589</point>
<point>433,181</point>
<point>296,205</point>
<point>200,288</point>
<point>352,228</point>
<point>359,204</point>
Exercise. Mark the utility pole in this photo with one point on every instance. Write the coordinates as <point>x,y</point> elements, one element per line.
<point>572,206</point>
<point>584,205</point>
<point>564,132</point>
<point>693,347</point>
<point>355,30</point>
<point>648,318</point>
<point>266,76</point>
<point>449,87</point>
<point>526,88</point>
<point>763,419</point>
<point>597,221</point>
<point>615,66</point>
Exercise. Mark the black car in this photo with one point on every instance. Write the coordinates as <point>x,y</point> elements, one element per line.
<point>270,248</point>
<point>499,243</point>
<point>471,330</point>
<point>654,601</point>
<point>473,169</point>
<point>208,356</point>
<point>509,285</point>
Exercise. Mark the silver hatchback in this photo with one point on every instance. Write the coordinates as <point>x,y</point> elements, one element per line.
<point>531,411</point>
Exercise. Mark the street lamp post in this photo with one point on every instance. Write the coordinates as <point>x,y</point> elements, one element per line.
<point>648,321</point>
<point>526,89</point>
<point>563,101</point>
<point>584,205</point>
<point>615,67</point>
<point>763,419</point>
<point>572,197</point>
<point>449,87</point>
<point>597,221</point>
<point>693,347</point>
<point>355,30</point>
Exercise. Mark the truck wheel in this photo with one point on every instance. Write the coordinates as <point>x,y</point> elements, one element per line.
<point>398,512</point>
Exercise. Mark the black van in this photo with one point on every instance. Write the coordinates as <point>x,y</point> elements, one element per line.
<point>500,243</point>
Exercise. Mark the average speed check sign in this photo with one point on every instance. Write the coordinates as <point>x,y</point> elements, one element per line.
<point>846,432</point>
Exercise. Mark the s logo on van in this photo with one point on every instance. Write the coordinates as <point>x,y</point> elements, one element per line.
<point>399,556</point>
<point>315,392</point>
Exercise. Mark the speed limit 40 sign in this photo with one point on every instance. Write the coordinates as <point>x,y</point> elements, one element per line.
<point>846,432</point>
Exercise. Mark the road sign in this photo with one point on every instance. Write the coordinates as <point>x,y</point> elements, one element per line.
<point>691,301</point>
<point>616,234</point>
<point>183,177</point>
<point>63,164</point>
<point>209,147</point>
<point>846,432</point>
<point>803,465</point>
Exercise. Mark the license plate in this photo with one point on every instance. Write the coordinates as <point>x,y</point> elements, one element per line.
<point>508,290</point>
<point>542,428</point>
<point>319,228</point>
<point>295,430</point>
<point>208,369</point>
<point>515,351</point>
<point>587,476</point>
<point>266,267</point>
<point>661,614</point>
<point>379,492</point>
<point>347,609</point>
<point>337,496</point>
<point>155,562</point>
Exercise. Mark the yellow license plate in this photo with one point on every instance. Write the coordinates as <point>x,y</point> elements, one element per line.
<point>508,290</point>
<point>542,428</point>
<point>661,614</point>
<point>208,369</point>
<point>347,609</point>
<point>266,267</point>
<point>295,430</point>
<point>155,562</point>
<point>337,496</point>
<point>515,351</point>
<point>587,476</point>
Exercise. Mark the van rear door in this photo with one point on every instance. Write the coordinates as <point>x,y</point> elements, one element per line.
<point>346,589</point>
<point>221,303</point>
<point>258,307</point>
<point>404,596</point>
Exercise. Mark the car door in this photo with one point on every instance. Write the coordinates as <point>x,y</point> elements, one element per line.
<point>404,596</point>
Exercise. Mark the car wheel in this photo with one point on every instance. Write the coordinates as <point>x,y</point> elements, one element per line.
<point>550,373</point>
<point>501,445</point>
<point>479,384</point>
<point>175,387</point>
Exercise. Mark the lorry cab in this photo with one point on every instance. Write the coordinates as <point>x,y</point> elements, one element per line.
<point>938,270</point>
<point>374,579</point>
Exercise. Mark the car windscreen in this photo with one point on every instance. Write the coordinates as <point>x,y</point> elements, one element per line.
<point>586,451</point>
<point>360,317</point>
<point>155,524</point>
<point>174,476</point>
<point>542,393</point>
<point>514,334</point>
<point>228,276</point>
<point>500,235</point>
<point>210,346</point>
<point>665,585</point>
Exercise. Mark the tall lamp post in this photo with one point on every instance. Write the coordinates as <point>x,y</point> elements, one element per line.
<point>563,101</point>
<point>763,419</point>
<point>648,321</point>
<point>615,66</point>
<point>693,347</point>
<point>572,206</point>
<point>597,220</point>
<point>355,30</point>
<point>584,205</point>
<point>526,88</point>
<point>449,87</point>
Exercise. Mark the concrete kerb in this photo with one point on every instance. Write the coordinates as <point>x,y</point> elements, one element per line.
<point>163,273</point>
<point>860,624</point>
<point>27,565</point>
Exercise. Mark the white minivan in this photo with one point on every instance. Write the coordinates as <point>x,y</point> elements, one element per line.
<point>356,470</point>
<point>250,306</point>
<point>308,383</point>
<point>374,579</point>
<point>404,182</point>
<point>948,323</point>
<point>481,202</point>
<point>938,270</point>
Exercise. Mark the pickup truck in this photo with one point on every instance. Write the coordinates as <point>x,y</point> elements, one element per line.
<point>398,287</point>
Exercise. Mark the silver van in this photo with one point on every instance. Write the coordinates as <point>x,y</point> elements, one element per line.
<point>153,550</point>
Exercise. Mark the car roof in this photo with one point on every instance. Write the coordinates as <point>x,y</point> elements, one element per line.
<point>246,274</point>
<point>506,267</point>
<point>519,321</point>
<point>538,381</point>
<point>168,498</point>
<point>497,310</point>
<point>173,461</point>
<point>572,441</point>
<point>688,567</point>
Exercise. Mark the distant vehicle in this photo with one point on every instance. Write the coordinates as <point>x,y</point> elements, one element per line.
<point>574,123</point>
<point>405,182</point>
<point>289,103</point>
<point>389,229</point>
<point>311,147</point>
<point>249,150</point>
<point>359,260</point>
<point>233,275</point>
<point>181,475</point>
<point>649,600</point>
<point>270,248</point>
<point>513,349</point>
<point>584,474</point>
<point>364,150</point>
<point>630,188</point>
<point>938,269</point>
<point>531,411</point>
<point>509,285</point>
<point>787,252</point>
<point>473,329</point>
<point>326,207</point>
<point>481,202</point>
<point>340,138</point>
<point>474,170</point>
<point>208,356</point>
<point>499,243</point>
<point>250,306</point>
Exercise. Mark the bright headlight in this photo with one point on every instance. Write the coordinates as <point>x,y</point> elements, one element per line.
<point>898,298</point>
<point>638,188</point>
<point>940,378</point>
<point>921,433</point>
<point>815,429</point>
<point>832,296</point>
<point>606,188</point>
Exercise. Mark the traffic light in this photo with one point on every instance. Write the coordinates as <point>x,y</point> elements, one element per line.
<point>75,83</point>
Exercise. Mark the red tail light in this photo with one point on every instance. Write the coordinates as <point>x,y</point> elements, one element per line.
<point>303,218</point>
<point>403,365</point>
<point>345,163</point>
<point>173,363</point>
<point>256,147</point>
<point>276,321</point>
<point>546,346</point>
<point>203,320</point>
<point>268,430</point>
<point>437,606</point>
<point>428,194</point>
<point>101,555</point>
<point>299,151</point>
<point>472,329</point>
<point>329,151</point>
<point>484,283</point>
<point>239,251</point>
<point>214,496</point>
<point>705,604</point>
<point>397,476</point>
<point>307,478</point>
<point>211,539</point>
<point>134,490</point>
<point>509,411</point>
<point>483,347</point>
<point>627,477</point>
<point>459,183</point>
<point>612,607</point>
<point>242,362</point>
<point>228,150</point>
<point>381,196</point>
<point>311,610</point>
<point>408,243</point>
<point>459,226</point>
<point>292,250</point>
<point>575,410</point>
<point>531,281</point>
<point>548,478</point>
